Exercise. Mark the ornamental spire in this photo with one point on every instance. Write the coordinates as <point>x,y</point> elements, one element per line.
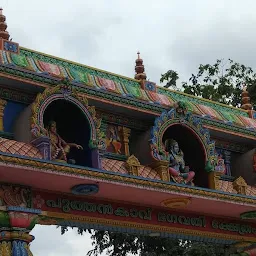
<point>246,103</point>
<point>139,69</point>
<point>4,34</point>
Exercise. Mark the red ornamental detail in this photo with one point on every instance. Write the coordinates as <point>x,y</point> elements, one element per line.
<point>38,201</point>
<point>20,219</point>
<point>14,196</point>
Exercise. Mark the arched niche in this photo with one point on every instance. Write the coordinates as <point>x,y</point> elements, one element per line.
<point>193,138</point>
<point>76,123</point>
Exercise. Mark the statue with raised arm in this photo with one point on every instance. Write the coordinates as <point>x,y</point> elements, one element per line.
<point>59,147</point>
<point>177,168</point>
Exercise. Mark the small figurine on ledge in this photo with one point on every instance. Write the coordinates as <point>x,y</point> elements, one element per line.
<point>178,171</point>
<point>220,166</point>
<point>59,147</point>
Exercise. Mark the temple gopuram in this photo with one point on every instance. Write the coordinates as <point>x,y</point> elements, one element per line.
<point>83,147</point>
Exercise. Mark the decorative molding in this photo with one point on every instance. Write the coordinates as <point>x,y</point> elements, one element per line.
<point>180,116</point>
<point>64,92</point>
<point>132,165</point>
<point>85,189</point>
<point>231,146</point>
<point>162,169</point>
<point>248,215</point>
<point>15,196</point>
<point>176,202</point>
<point>214,178</point>
<point>2,107</point>
<point>126,225</point>
<point>128,102</point>
<point>16,95</point>
<point>122,120</point>
<point>53,167</point>
<point>240,185</point>
<point>126,134</point>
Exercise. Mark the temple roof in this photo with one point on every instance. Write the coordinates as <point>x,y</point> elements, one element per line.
<point>128,88</point>
<point>19,148</point>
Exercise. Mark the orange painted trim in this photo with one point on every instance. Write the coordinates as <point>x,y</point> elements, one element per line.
<point>230,132</point>
<point>13,77</point>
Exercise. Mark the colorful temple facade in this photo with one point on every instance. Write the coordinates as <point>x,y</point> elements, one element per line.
<point>82,147</point>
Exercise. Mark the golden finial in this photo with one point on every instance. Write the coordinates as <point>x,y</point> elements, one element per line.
<point>3,26</point>
<point>246,104</point>
<point>139,69</point>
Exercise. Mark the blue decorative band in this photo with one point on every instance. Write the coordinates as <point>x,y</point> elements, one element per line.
<point>85,189</point>
<point>23,209</point>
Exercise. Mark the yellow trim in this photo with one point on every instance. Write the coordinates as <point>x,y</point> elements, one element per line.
<point>131,79</point>
<point>52,167</point>
<point>154,228</point>
<point>76,63</point>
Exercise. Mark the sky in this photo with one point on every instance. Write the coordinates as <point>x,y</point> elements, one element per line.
<point>170,34</point>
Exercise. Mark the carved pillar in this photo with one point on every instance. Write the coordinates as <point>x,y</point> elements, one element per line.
<point>2,107</point>
<point>17,219</point>
<point>162,169</point>
<point>15,226</point>
<point>227,157</point>
<point>132,164</point>
<point>240,185</point>
<point>43,145</point>
<point>126,135</point>
<point>214,178</point>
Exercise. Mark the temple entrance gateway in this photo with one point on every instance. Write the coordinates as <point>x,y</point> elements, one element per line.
<point>81,147</point>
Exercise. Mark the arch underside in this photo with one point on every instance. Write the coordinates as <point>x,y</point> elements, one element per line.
<point>65,93</point>
<point>190,122</point>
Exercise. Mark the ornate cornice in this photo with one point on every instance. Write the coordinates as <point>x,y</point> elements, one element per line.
<point>114,177</point>
<point>127,102</point>
<point>122,120</point>
<point>16,95</point>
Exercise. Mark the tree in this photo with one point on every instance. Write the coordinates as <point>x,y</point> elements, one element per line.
<point>222,82</point>
<point>123,244</point>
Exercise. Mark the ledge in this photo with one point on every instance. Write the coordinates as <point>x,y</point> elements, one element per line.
<point>59,168</point>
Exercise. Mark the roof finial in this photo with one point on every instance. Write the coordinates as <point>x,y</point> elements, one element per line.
<point>139,69</point>
<point>3,26</point>
<point>246,102</point>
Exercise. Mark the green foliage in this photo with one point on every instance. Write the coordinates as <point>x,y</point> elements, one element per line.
<point>123,244</point>
<point>171,77</point>
<point>221,82</point>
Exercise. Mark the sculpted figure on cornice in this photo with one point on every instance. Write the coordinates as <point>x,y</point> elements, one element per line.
<point>177,166</point>
<point>59,147</point>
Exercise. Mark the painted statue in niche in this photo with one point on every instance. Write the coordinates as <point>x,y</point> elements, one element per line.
<point>114,139</point>
<point>59,147</point>
<point>179,172</point>
<point>220,166</point>
<point>223,162</point>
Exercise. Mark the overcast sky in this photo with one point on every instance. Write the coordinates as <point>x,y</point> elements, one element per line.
<point>170,34</point>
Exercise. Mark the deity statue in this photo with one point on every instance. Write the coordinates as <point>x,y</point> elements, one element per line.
<point>220,165</point>
<point>59,147</point>
<point>177,168</point>
<point>114,139</point>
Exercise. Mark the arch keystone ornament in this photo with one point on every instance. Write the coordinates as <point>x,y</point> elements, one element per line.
<point>65,91</point>
<point>179,115</point>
